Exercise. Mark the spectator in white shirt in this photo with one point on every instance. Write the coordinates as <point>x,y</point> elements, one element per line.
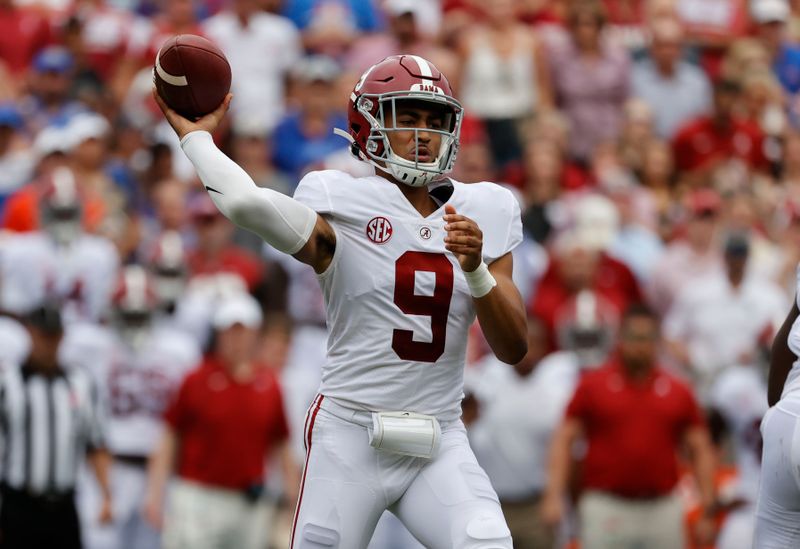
<point>511,443</point>
<point>717,322</point>
<point>690,258</point>
<point>261,47</point>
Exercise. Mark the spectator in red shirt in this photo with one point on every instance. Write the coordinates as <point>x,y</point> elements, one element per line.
<point>579,266</point>
<point>215,252</point>
<point>227,417</point>
<point>635,418</point>
<point>709,142</point>
<point>23,32</point>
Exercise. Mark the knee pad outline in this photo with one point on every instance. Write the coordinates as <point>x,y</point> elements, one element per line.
<point>488,532</point>
<point>314,536</point>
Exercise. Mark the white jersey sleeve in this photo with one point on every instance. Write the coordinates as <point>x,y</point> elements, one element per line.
<point>313,192</point>
<point>398,305</point>
<point>15,343</point>
<point>501,224</point>
<point>282,222</point>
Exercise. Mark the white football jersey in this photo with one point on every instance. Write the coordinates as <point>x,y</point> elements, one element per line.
<point>83,274</point>
<point>15,343</point>
<point>138,383</point>
<point>740,395</point>
<point>398,305</point>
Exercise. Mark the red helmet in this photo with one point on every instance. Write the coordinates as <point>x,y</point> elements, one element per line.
<point>396,78</point>
<point>134,293</point>
<point>133,301</point>
<point>60,202</point>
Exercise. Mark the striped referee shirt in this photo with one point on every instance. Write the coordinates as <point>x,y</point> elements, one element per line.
<point>48,423</point>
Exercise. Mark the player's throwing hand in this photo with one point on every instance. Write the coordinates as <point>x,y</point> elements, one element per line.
<point>183,126</point>
<point>464,239</point>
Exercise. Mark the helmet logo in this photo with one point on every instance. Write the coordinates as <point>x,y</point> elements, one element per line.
<point>427,88</point>
<point>379,230</point>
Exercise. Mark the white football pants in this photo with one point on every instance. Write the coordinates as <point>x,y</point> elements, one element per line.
<point>778,507</point>
<point>446,502</point>
<point>129,530</point>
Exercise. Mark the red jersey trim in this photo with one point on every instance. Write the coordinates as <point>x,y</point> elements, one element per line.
<point>309,429</point>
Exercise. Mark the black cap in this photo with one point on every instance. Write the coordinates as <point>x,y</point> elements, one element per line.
<point>46,318</point>
<point>737,245</point>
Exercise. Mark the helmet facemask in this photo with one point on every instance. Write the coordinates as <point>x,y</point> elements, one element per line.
<point>62,223</point>
<point>133,326</point>
<point>410,172</point>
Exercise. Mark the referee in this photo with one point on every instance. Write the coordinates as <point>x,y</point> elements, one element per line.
<point>50,416</point>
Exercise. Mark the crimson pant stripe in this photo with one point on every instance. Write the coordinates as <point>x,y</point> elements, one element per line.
<point>312,416</point>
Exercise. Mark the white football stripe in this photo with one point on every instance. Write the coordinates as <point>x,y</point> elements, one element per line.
<point>424,67</point>
<point>167,77</point>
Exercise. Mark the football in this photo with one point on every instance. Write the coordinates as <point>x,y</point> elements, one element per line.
<point>191,75</point>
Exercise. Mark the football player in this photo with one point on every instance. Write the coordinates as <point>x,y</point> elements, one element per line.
<point>138,365</point>
<point>406,259</point>
<point>61,261</point>
<point>778,504</point>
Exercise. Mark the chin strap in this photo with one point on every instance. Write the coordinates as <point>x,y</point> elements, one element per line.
<point>356,151</point>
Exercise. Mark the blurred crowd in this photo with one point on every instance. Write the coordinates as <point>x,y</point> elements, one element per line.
<point>654,146</point>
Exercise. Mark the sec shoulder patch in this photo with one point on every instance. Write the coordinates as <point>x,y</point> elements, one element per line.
<point>379,230</point>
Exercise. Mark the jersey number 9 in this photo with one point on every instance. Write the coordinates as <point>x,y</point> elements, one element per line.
<point>436,306</point>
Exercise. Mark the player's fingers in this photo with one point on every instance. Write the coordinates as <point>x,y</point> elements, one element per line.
<point>223,107</point>
<point>475,239</point>
<point>460,250</point>
<point>464,240</point>
<point>160,102</point>
<point>453,217</point>
<point>449,209</point>
<point>465,226</point>
<point>172,117</point>
<point>458,218</point>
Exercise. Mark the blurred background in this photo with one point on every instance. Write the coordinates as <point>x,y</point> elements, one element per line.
<point>653,145</point>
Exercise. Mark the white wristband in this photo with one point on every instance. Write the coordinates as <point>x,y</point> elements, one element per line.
<point>480,281</point>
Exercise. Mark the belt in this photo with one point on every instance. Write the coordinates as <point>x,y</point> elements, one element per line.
<point>136,461</point>
<point>47,496</point>
<point>645,496</point>
<point>362,417</point>
<point>252,493</point>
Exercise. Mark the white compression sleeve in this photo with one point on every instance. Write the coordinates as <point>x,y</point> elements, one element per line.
<point>283,222</point>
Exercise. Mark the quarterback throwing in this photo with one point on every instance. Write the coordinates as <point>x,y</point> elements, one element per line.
<point>406,260</point>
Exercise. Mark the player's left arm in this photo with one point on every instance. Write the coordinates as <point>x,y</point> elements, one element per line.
<point>498,303</point>
<point>781,358</point>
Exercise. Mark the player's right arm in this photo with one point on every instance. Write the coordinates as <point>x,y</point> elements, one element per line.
<point>284,223</point>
